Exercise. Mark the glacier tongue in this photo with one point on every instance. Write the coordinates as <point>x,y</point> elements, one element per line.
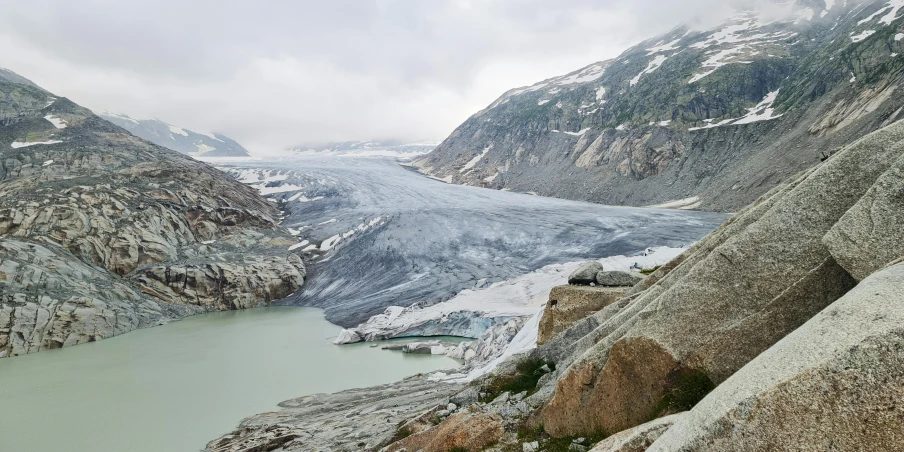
<point>503,317</point>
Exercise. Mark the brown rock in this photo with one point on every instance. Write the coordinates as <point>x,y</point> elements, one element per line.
<point>470,431</point>
<point>568,304</point>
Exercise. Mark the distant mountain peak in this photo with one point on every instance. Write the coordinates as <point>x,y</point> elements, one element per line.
<point>185,141</point>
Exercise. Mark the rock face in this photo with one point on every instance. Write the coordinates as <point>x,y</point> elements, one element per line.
<point>585,275</point>
<point>102,232</point>
<point>618,279</point>
<point>712,118</point>
<point>639,438</point>
<point>178,139</point>
<point>568,304</point>
<point>349,421</point>
<point>743,288</point>
<point>833,384</point>
<point>468,431</point>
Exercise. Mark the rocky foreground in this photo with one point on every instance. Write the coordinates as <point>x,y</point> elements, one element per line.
<point>102,232</point>
<point>779,331</point>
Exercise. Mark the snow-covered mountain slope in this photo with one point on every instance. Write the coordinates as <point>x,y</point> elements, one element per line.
<point>722,115</point>
<point>366,149</point>
<point>178,139</point>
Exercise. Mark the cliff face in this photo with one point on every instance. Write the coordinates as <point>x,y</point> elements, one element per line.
<point>102,232</point>
<point>715,118</point>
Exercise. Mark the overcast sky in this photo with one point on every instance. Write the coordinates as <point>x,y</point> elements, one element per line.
<point>271,74</point>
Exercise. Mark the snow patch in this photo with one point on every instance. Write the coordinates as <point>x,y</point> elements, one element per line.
<point>763,111</point>
<point>48,163</point>
<point>677,204</point>
<point>57,122</point>
<point>177,130</point>
<point>20,144</point>
<point>664,47</point>
<point>862,35</point>
<point>203,148</point>
<point>652,66</point>
<point>474,160</point>
<point>600,93</point>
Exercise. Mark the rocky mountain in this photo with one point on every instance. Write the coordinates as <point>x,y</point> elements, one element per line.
<point>780,331</point>
<point>693,119</point>
<point>102,232</point>
<point>366,148</point>
<point>178,139</point>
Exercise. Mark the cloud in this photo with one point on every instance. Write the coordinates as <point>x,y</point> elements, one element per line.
<point>275,73</point>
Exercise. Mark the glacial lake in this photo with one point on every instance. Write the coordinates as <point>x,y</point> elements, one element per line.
<point>175,387</point>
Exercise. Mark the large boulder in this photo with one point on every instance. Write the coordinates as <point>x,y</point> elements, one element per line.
<point>618,279</point>
<point>637,439</point>
<point>468,431</point>
<point>870,234</point>
<point>836,383</point>
<point>569,304</point>
<point>585,275</point>
<point>741,290</point>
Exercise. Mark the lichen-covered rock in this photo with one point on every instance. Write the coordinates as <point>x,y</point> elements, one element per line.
<point>569,304</point>
<point>585,275</point>
<point>732,299</point>
<point>836,383</point>
<point>618,279</point>
<point>147,235</point>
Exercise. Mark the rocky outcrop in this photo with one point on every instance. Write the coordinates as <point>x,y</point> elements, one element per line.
<point>868,236</point>
<point>146,235</point>
<point>746,286</point>
<point>717,117</point>
<point>237,282</point>
<point>348,421</point>
<point>637,439</point>
<point>833,384</point>
<point>585,275</point>
<point>50,299</point>
<point>569,304</point>
<point>618,279</point>
<point>461,431</point>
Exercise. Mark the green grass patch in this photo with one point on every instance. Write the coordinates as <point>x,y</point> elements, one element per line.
<point>550,444</point>
<point>524,379</point>
<point>649,271</point>
<point>689,386</point>
<point>401,434</point>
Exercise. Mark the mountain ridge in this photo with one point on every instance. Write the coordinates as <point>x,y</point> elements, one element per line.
<point>721,115</point>
<point>102,232</point>
<point>179,139</point>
